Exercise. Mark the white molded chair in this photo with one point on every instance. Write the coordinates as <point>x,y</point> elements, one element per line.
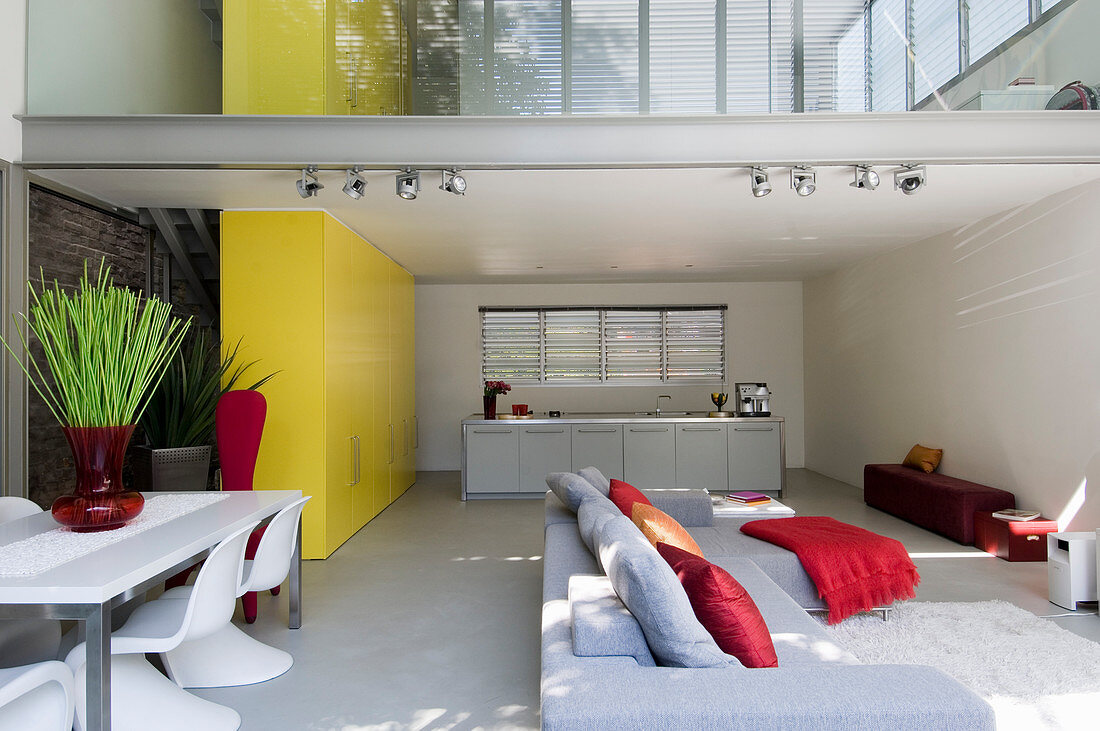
<point>229,656</point>
<point>37,697</point>
<point>142,698</point>
<point>25,641</point>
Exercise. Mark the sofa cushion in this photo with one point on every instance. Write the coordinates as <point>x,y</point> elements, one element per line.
<point>922,458</point>
<point>624,495</point>
<point>689,507</point>
<point>650,590</point>
<point>591,516</point>
<point>571,489</point>
<point>658,527</point>
<point>596,479</point>
<point>602,625</point>
<point>723,607</point>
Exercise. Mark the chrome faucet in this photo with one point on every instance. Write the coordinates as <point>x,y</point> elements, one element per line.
<point>659,403</point>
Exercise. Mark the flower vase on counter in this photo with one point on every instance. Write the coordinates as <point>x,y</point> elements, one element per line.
<point>489,399</point>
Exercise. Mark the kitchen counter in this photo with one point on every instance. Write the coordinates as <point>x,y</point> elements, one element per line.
<point>503,458</point>
<point>624,417</point>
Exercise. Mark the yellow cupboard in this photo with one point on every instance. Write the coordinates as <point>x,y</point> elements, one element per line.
<point>334,316</point>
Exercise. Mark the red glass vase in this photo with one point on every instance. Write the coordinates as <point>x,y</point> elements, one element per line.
<point>490,404</point>
<point>99,502</point>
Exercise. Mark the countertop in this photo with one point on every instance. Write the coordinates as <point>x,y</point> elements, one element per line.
<point>625,417</point>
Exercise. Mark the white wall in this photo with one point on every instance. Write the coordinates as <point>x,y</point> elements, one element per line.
<point>984,341</point>
<point>13,68</point>
<point>121,57</point>
<point>763,335</point>
<point>1062,50</point>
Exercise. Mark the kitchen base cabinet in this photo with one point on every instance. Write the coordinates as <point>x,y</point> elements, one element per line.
<point>492,459</point>
<point>755,457</point>
<point>542,450</point>
<point>701,456</point>
<point>649,455</point>
<point>599,446</point>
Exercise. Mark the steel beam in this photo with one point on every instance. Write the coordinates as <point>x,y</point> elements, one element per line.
<point>206,235</point>
<point>533,143</point>
<point>168,232</point>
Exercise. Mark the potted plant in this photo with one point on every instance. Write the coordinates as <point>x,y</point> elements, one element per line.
<point>105,349</point>
<point>179,422</point>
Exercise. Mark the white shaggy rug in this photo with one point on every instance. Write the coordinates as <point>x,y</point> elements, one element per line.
<point>1035,674</point>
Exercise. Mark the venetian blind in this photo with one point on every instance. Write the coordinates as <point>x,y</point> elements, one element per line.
<point>592,345</point>
<point>605,56</point>
<point>992,22</point>
<point>682,56</point>
<point>935,44</point>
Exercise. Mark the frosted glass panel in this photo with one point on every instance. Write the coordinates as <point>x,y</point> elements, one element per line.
<point>992,22</point>
<point>682,56</point>
<point>935,44</point>
<point>605,56</point>
<point>888,56</point>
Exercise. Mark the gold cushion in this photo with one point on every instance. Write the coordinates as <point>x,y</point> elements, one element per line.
<point>659,527</point>
<point>923,458</point>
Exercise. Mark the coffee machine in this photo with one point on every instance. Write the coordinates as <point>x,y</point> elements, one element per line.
<point>752,399</point>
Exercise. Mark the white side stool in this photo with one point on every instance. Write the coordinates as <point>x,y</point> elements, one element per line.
<point>1071,568</point>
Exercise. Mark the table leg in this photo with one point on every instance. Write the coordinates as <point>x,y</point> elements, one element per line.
<point>296,583</point>
<point>98,671</point>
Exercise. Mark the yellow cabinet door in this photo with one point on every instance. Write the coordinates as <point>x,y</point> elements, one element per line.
<point>363,423</point>
<point>379,358</point>
<point>272,301</point>
<point>342,449</point>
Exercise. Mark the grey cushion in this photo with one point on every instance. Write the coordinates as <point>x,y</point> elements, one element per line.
<point>591,516</point>
<point>556,512</point>
<point>686,507</point>
<point>602,625</point>
<point>571,489</point>
<point>596,479</point>
<point>650,590</point>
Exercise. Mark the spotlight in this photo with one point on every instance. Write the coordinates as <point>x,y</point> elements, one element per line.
<point>803,180</point>
<point>452,182</point>
<point>910,179</point>
<point>309,185</point>
<point>354,184</point>
<point>866,178</point>
<point>760,185</point>
<point>408,184</point>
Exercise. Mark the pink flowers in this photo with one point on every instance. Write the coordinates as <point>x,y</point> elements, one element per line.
<point>492,388</point>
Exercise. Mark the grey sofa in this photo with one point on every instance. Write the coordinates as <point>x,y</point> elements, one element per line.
<point>599,673</point>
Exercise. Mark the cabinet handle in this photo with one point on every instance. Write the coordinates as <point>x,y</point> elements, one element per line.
<point>492,431</point>
<point>702,428</point>
<point>391,444</point>
<point>416,433</point>
<point>355,85</point>
<point>598,431</point>
<point>358,461</point>
<point>543,431</point>
<point>405,436</point>
<point>351,463</point>
<point>658,429</point>
<point>754,428</point>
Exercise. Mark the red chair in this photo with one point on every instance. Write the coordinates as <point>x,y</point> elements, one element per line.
<point>238,426</point>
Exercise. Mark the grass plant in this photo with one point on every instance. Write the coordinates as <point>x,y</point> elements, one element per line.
<point>105,349</point>
<point>181,412</point>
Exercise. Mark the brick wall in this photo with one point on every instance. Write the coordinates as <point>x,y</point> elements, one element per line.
<point>61,235</point>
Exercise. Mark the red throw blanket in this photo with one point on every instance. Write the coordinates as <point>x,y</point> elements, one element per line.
<point>854,569</point>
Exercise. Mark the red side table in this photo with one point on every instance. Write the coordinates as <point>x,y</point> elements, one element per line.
<point>1013,540</point>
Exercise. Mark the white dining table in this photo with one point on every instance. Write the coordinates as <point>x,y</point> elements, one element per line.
<point>89,587</point>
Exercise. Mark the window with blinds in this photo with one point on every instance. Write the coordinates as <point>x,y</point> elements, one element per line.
<point>604,78</point>
<point>603,345</point>
<point>682,60</point>
<point>935,44</point>
<point>889,29</point>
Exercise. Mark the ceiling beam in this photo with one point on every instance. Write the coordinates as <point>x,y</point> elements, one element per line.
<point>167,230</point>
<point>556,142</point>
<point>206,235</point>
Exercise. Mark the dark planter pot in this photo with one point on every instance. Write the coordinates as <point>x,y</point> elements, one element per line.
<point>182,469</point>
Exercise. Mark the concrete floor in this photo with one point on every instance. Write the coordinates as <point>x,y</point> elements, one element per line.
<point>429,616</point>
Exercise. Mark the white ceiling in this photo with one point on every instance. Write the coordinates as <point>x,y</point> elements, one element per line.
<point>659,225</point>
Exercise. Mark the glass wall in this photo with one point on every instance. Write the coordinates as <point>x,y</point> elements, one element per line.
<point>519,57</point>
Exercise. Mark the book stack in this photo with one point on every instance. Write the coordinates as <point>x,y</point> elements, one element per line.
<point>748,497</point>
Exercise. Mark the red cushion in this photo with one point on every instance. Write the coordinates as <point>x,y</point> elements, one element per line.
<point>724,608</point>
<point>624,495</point>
